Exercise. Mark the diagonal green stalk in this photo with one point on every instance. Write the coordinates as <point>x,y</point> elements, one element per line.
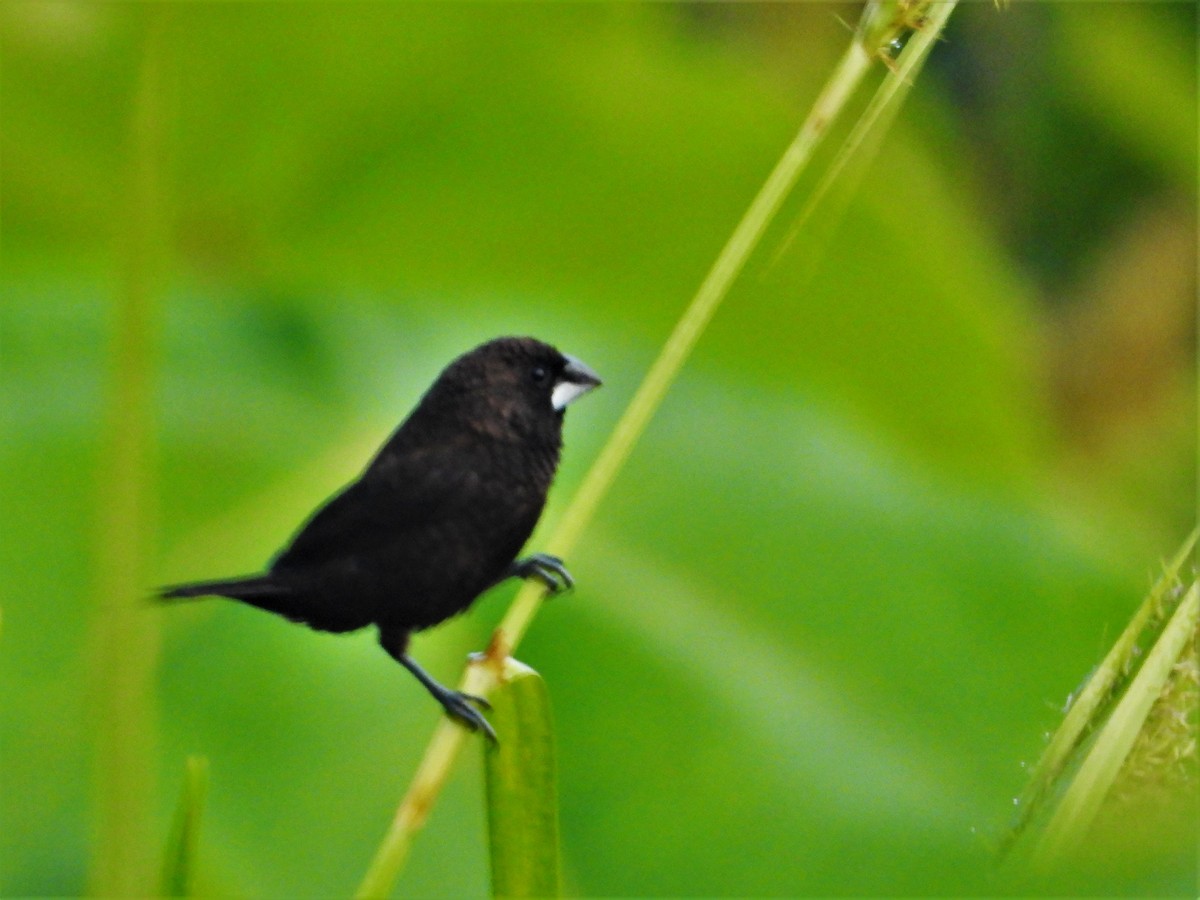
<point>1083,799</point>
<point>884,106</point>
<point>482,673</point>
<point>1096,696</point>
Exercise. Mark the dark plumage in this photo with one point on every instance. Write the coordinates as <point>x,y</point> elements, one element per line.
<point>438,516</point>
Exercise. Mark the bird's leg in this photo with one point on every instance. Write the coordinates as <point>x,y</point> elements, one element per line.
<point>456,704</point>
<point>546,568</point>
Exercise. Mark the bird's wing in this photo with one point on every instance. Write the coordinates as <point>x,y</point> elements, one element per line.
<point>400,493</point>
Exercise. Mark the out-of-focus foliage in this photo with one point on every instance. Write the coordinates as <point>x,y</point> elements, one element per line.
<point>916,476</point>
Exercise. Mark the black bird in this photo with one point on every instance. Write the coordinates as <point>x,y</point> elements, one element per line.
<point>438,516</point>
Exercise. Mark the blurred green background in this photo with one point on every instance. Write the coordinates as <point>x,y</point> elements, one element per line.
<point>916,477</point>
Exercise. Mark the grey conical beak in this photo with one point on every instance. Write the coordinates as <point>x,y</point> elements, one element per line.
<point>575,381</point>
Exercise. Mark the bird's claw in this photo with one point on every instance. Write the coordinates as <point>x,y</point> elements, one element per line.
<point>458,706</point>
<point>547,569</point>
<point>481,702</point>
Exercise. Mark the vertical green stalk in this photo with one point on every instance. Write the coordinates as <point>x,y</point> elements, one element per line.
<point>126,637</point>
<point>522,793</point>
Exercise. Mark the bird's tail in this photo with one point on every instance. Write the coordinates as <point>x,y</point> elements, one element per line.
<point>265,592</point>
<point>252,589</point>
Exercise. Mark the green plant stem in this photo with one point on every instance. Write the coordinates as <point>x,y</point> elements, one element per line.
<point>522,796</point>
<point>126,639</point>
<point>480,677</point>
<point>882,108</point>
<point>1095,697</point>
<point>1078,808</point>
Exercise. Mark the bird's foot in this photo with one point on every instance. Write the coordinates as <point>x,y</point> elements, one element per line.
<point>547,569</point>
<point>458,706</point>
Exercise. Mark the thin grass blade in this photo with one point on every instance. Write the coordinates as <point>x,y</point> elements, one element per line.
<point>179,861</point>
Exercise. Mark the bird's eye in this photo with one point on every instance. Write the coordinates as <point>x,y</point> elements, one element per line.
<point>539,374</point>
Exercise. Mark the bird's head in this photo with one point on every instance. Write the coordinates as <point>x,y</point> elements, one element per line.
<point>515,386</point>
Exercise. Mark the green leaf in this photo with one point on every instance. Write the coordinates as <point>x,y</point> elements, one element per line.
<point>179,863</point>
<point>522,801</point>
